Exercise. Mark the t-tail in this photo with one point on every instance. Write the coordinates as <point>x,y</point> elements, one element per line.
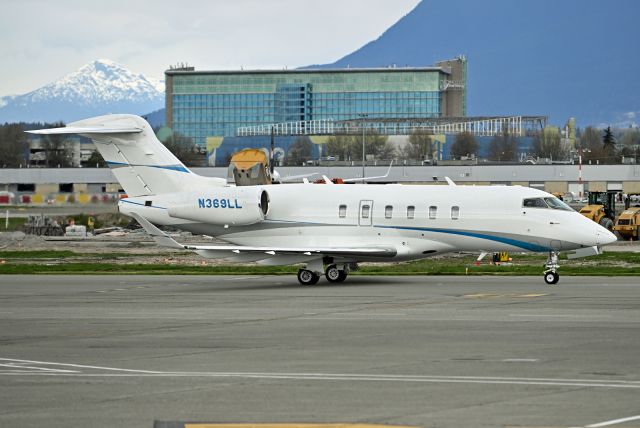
<point>141,163</point>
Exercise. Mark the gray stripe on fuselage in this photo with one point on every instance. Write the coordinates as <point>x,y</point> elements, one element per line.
<point>221,232</point>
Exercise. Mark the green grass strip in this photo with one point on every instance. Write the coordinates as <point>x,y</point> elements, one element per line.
<point>401,269</point>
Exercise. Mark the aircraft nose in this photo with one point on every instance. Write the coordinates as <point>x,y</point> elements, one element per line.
<point>604,237</point>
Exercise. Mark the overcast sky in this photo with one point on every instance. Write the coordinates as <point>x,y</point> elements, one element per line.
<point>42,40</point>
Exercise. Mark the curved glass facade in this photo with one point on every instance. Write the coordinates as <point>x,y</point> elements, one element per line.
<point>205,104</point>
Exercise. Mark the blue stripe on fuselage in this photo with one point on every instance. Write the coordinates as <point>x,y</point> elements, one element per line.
<point>178,168</point>
<point>509,241</point>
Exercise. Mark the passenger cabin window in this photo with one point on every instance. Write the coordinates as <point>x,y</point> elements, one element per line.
<point>342,211</point>
<point>455,212</point>
<point>365,211</point>
<point>411,212</point>
<point>388,211</point>
<point>432,212</point>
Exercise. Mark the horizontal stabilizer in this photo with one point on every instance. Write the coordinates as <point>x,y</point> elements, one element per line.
<point>159,236</point>
<point>87,130</point>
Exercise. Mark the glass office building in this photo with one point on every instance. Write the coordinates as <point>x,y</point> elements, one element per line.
<point>206,105</point>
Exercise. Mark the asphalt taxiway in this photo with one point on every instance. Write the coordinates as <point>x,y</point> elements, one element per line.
<point>106,351</point>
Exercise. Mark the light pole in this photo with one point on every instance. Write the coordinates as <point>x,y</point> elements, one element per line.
<point>363,116</point>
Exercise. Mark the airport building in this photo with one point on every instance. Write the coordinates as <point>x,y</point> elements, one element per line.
<point>208,106</point>
<point>53,186</point>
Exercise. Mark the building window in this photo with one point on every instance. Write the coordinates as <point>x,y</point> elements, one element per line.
<point>65,187</point>
<point>433,211</point>
<point>365,211</point>
<point>388,211</point>
<point>342,211</point>
<point>411,212</point>
<point>455,212</point>
<point>26,187</point>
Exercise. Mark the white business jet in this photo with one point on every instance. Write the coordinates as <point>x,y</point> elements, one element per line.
<point>329,228</point>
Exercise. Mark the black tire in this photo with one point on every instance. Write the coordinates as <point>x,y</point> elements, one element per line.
<point>607,223</point>
<point>551,278</point>
<point>332,273</point>
<point>307,277</point>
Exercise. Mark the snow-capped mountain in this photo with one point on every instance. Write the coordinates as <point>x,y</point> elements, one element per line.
<point>99,87</point>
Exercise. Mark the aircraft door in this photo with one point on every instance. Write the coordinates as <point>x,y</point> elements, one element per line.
<point>366,212</point>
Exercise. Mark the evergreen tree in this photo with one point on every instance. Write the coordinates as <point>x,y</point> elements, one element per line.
<point>13,146</point>
<point>464,144</point>
<point>609,146</point>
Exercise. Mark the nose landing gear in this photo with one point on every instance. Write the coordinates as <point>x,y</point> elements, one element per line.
<point>551,275</point>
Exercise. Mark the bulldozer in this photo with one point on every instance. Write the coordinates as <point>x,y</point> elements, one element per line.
<point>601,208</point>
<point>628,223</point>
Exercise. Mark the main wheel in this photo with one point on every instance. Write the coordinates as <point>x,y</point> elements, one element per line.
<point>307,277</point>
<point>551,278</point>
<point>334,274</point>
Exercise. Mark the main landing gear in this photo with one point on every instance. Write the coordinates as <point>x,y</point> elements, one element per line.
<point>550,275</point>
<point>334,273</point>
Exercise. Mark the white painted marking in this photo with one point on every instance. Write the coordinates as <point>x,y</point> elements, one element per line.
<point>520,360</point>
<point>555,315</point>
<point>614,422</point>
<point>326,376</point>
<point>333,377</point>
<point>78,366</point>
<point>22,366</point>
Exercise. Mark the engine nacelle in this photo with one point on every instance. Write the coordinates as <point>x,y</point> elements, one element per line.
<point>237,206</point>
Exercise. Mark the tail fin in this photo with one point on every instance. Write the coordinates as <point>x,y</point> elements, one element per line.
<point>141,164</point>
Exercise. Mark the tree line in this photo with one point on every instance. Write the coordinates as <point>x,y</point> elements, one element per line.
<point>594,145</point>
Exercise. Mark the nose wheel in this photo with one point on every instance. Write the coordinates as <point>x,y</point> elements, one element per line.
<point>551,275</point>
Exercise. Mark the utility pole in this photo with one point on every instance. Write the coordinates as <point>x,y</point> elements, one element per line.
<point>363,116</point>
<point>272,149</point>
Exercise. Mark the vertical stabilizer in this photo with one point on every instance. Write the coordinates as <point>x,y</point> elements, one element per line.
<point>140,163</point>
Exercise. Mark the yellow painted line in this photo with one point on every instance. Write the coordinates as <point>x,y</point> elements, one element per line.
<point>293,425</point>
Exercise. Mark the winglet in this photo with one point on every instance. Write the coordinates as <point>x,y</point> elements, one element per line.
<point>159,236</point>
<point>351,180</point>
<point>450,181</point>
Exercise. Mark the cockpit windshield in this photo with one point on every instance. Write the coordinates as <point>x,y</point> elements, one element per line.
<point>557,204</point>
<point>553,203</point>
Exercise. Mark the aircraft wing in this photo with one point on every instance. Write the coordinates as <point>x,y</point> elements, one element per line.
<point>286,255</point>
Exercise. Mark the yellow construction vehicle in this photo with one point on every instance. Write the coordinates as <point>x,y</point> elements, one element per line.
<point>628,224</point>
<point>601,208</point>
<point>250,167</point>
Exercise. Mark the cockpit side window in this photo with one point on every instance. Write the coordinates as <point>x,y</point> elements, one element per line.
<point>534,203</point>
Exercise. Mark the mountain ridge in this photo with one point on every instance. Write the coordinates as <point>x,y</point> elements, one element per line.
<point>99,87</point>
<point>542,57</point>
